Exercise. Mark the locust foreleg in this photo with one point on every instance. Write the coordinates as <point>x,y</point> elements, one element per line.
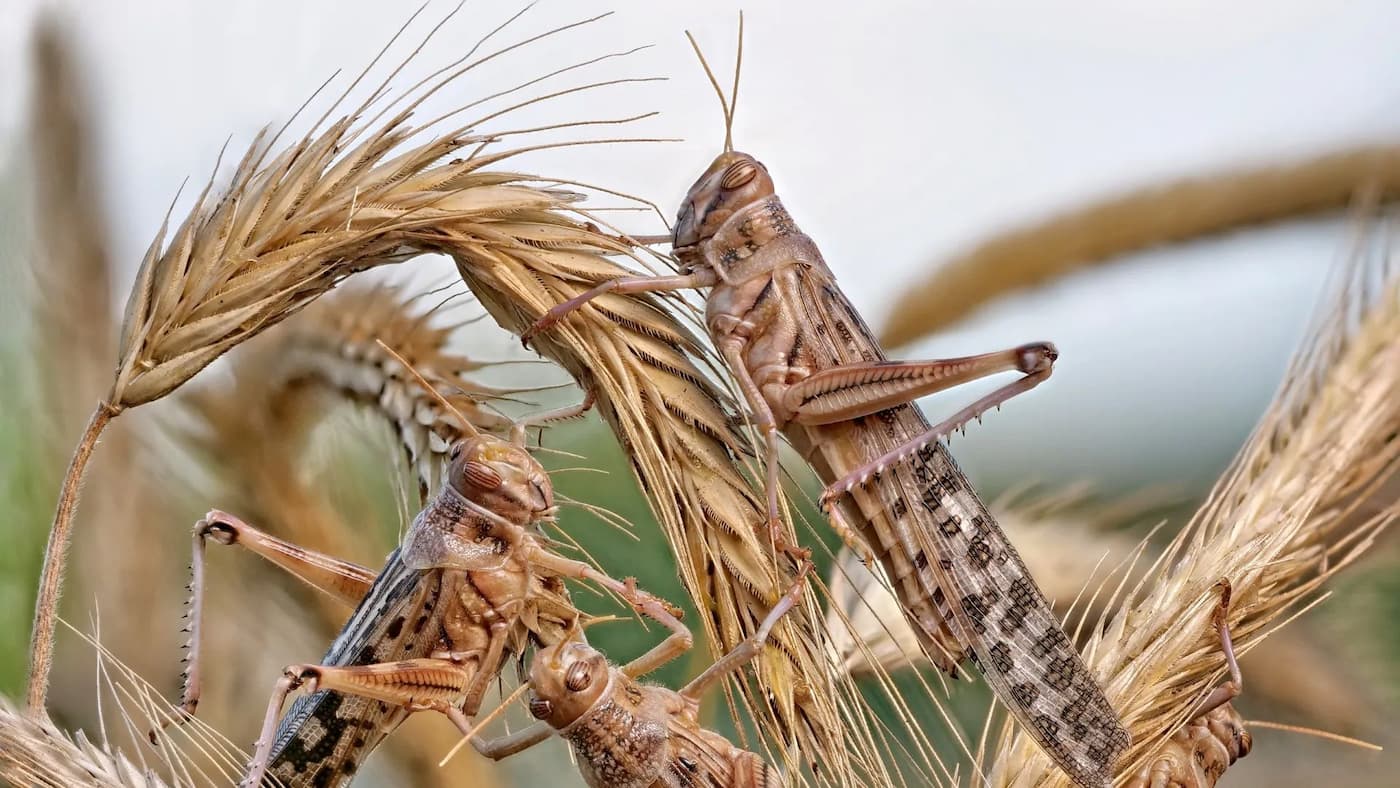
<point>621,286</point>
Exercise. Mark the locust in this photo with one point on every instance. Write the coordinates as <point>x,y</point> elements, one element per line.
<point>626,734</point>
<point>809,367</point>
<point>472,583</point>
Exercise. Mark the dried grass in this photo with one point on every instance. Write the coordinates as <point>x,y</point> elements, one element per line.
<point>1280,522</point>
<point>1025,257</point>
<point>35,752</point>
<point>354,193</point>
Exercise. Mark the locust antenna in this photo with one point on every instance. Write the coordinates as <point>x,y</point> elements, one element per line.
<point>734,93</point>
<point>726,106</point>
<point>467,426</point>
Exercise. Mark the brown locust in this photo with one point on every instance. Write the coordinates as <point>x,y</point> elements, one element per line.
<point>471,584</point>
<point>808,366</point>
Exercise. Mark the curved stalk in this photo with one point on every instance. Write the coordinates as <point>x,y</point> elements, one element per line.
<point>55,557</point>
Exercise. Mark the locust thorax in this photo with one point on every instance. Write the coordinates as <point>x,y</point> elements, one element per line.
<point>567,681</point>
<point>733,183</point>
<point>493,490</point>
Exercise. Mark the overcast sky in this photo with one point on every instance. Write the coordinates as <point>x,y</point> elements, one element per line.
<point>898,134</point>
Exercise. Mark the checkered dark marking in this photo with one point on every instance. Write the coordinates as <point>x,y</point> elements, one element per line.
<point>976,609</point>
<point>1052,640</point>
<point>1045,725</point>
<point>1001,657</point>
<point>1059,674</point>
<point>951,525</point>
<point>980,552</point>
<point>1014,619</point>
<point>1025,694</point>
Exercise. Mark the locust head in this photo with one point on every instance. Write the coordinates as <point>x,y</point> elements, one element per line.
<point>733,182</point>
<point>501,477</point>
<point>568,680</point>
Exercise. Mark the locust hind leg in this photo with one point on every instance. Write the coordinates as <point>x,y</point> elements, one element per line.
<point>836,395</point>
<point>752,646</point>
<point>343,580</point>
<point>425,684</point>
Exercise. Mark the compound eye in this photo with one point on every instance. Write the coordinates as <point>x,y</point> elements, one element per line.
<point>540,708</point>
<point>579,677</point>
<point>481,476</point>
<point>455,452</point>
<point>738,174</point>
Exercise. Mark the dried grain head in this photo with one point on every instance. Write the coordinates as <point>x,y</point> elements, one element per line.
<point>1163,213</point>
<point>677,427</point>
<point>295,219</point>
<point>35,752</point>
<point>285,382</point>
<point>1280,522</point>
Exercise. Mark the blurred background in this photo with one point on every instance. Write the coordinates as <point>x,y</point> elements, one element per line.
<point>901,135</point>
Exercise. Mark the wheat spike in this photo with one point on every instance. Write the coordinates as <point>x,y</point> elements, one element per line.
<point>1282,520</point>
<point>1100,231</point>
<point>35,752</point>
<point>354,193</point>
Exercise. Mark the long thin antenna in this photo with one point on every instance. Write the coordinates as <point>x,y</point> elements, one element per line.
<point>734,94</point>
<point>723,104</point>
<point>467,426</point>
<point>1337,737</point>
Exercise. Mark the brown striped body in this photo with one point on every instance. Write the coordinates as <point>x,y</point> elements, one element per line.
<point>774,308</point>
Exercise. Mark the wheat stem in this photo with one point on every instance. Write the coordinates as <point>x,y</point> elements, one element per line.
<point>56,556</point>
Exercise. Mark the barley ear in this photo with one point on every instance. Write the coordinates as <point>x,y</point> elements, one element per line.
<point>1164,213</point>
<point>1284,518</point>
